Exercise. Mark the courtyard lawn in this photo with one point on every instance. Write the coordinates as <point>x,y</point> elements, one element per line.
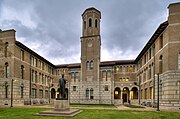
<point>93,105</point>
<point>28,113</point>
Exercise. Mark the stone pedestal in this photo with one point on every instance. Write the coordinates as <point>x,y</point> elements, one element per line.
<point>60,105</point>
<point>61,108</point>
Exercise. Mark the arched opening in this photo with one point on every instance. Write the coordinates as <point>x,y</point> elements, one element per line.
<point>6,70</point>
<point>96,22</point>
<point>58,93</point>
<point>134,93</point>
<point>117,93</point>
<point>22,72</point>
<point>84,24</point>
<point>5,49</point>
<point>90,22</point>
<point>87,65</point>
<point>125,95</point>
<point>91,93</point>
<point>53,93</point>
<point>91,65</point>
<point>87,93</point>
<point>160,64</point>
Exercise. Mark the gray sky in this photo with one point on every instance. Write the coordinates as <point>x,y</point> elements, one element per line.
<point>52,28</point>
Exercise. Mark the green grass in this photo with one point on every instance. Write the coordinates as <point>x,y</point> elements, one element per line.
<point>93,105</point>
<point>28,113</point>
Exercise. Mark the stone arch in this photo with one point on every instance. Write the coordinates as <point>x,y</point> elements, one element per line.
<point>117,93</point>
<point>125,94</point>
<point>134,93</point>
<point>53,93</point>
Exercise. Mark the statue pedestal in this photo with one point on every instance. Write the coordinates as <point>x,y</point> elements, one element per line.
<point>61,108</point>
<point>60,105</point>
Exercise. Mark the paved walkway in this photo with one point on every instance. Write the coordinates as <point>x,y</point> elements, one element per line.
<point>119,107</point>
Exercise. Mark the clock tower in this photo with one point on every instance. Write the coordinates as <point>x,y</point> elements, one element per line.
<point>90,55</point>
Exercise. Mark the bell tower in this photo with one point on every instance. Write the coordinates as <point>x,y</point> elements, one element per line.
<point>90,53</point>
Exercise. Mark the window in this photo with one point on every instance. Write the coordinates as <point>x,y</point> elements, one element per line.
<point>106,88</point>
<point>40,93</point>
<point>33,93</point>
<point>87,93</point>
<point>6,90</point>
<point>5,49</point>
<point>36,76</point>
<point>160,64</point>
<point>150,53</point>
<point>33,76</point>
<point>84,24</point>
<point>151,93</point>
<point>74,88</point>
<point>6,70</point>
<point>87,65</point>
<point>90,22</point>
<point>91,93</point>
<point>72,75</point>
<point>96,22</point>
<point>22,72</point>
<point>91,65</point>
<point>104,75</point>
<point>22,91</point>
<point>46,94</point>
<point>40,78</point>
<point>145,97</point>
<point>108,73</point>
<point>161,42</point>
<point>22,55</point>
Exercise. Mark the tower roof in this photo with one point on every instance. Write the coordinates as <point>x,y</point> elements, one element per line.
<point>91,8</point>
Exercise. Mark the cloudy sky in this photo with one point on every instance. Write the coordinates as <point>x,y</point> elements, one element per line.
<point>52,28</point>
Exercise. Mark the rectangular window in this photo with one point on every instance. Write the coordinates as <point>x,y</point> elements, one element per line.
<point>161,42</point>
<point>106,88</point>
<point>46,94</point>
<point>40,93</point>
<point>87,93</point>
<point>74,88</point>
<point>22,55</point>
<point>150,53</point>
<point>33,93</point>
<point>40,78</point>
<point>33,76</point>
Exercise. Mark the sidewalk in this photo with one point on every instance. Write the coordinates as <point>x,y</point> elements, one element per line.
<point>119,107</point>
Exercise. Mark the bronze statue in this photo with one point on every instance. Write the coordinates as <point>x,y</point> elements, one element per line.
<point>62,83</point>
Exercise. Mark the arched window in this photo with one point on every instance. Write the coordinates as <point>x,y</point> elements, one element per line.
<point>22,72</point>
<point>84,24</point>
<point>22,91</point>
<point>87,93</point>
<point>6,70</point>
<point>90,22</point>
<point>91,93</point>
<point>96,22</point>
<point>87,65</point>
<point>5,49</point>
<point>91,65</point>
<point>160,64</point>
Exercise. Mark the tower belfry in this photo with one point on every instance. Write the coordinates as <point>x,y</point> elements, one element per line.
<point>90,52</point>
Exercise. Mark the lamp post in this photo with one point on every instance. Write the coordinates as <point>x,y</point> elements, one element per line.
<point>12,92</point>
<point>158,93</point>
<point>139,85</point>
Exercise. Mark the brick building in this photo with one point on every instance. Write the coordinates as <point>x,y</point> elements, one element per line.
<point>34,80</point>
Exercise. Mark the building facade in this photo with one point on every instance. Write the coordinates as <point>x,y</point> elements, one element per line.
<point>27,78</point>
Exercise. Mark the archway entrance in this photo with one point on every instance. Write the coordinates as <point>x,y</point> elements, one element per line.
<point>53,93</point>
<point>125,94</point>
<point>117,93</point>
<point>134,93</point>
<point>58,93</point>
